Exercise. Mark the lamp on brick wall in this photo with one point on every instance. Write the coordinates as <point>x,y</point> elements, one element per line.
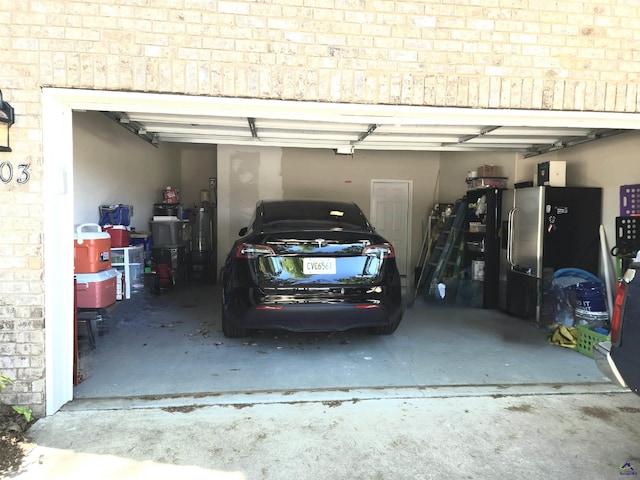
<point>6,120</point>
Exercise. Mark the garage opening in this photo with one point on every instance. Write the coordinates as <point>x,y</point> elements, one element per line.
<point>170,343</point>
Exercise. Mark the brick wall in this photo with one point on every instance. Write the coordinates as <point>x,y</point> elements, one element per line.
<point>520,54</point>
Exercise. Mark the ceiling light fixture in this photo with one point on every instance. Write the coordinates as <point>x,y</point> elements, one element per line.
<point>344,150</point>
<point>6,120</point>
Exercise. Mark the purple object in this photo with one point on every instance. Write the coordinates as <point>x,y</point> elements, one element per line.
<point>629,200</point>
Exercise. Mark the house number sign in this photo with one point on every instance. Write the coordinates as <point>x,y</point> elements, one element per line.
<point>21,173</point>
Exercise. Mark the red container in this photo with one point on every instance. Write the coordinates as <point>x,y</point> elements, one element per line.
<point>92,249</point>
<point>170,195</point>
<point>119,235</point>
<point>96,290</point>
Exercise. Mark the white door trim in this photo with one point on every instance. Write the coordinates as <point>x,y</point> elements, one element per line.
<point>57,150</point>
<point>58,105</point>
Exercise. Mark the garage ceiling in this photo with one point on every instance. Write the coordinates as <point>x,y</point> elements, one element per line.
<point>354,133</point>
<point>159,118</point>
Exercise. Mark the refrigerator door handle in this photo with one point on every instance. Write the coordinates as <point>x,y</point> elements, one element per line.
<point>512,213</point>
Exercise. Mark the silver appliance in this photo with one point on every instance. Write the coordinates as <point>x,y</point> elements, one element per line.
<point>543,230</point>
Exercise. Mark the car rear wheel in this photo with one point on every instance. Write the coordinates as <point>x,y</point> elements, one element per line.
<point>387,329</point>
<point>229,329</point>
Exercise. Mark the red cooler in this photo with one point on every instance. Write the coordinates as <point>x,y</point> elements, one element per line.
<point>96,290</point>
<point>119,235</point>
<point>92,252</point>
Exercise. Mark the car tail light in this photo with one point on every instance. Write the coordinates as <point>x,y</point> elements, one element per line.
<point>616,318</point>
<point>384,250</point>
<point>366,306</point>
<point>269,307</point>
<point>247,250</point>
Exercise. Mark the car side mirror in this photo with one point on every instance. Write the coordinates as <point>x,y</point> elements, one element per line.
<point>243,231</point>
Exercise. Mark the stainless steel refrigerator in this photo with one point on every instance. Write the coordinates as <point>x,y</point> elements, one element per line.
<point>543,230</point>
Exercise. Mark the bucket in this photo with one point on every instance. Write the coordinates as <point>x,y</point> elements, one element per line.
<point>590,297</point>
<point>592,319</point>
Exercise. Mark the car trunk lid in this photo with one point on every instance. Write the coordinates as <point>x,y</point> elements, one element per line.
<point>313,259</point>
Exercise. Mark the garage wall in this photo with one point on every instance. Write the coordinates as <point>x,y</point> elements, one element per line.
<point>454,167</point>
<point>322,174</point>
<point>607,163</point>
<point>245,175</point>
<point>198,164</point>
<point>111,165</point>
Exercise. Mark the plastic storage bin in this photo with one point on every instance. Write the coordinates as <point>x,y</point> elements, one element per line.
<point>92,249</point>
<point>168,210</point>
<point>142,238</point>
<point>96,290</point>
<point>587,338</point>
<point>168,232</point>
<point>130,261</point>
<point>172,255</point>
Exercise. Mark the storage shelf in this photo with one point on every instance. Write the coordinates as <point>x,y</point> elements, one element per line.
<point>132,257</point>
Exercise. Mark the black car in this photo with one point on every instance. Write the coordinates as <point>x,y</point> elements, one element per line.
<point>619,359</point>
<point>310,266</point>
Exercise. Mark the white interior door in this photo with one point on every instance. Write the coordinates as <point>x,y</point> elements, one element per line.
<point>390,215</point>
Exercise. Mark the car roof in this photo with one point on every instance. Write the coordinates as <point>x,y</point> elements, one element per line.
<point>309,209</point>
<point>296,203</point>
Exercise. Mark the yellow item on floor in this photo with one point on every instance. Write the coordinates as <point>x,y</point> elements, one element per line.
<point>564,336</point>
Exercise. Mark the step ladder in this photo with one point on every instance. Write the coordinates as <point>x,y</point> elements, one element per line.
<point>448,251</point>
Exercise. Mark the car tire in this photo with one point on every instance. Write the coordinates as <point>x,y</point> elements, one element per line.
<point>229,329</point>
<point>387,329</point>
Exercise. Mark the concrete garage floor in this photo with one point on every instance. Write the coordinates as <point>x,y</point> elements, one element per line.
<point>467,394</point>
<point>171,344</point>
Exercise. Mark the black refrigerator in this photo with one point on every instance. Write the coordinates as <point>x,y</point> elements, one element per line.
<point>543,230</point>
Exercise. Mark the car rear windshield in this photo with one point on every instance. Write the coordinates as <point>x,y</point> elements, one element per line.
<point>346,215</point>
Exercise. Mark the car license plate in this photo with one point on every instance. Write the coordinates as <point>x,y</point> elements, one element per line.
<point>314,266</point>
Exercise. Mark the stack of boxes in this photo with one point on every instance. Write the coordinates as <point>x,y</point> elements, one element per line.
<point>96,280</point>
<point>170,235</point>
<point>486,176</point>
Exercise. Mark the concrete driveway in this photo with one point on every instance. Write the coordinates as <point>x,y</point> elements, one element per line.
<point>581,432</point>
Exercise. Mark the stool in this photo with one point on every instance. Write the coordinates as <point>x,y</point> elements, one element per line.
<point>91,325</point>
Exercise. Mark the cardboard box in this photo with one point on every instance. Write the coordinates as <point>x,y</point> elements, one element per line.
<point>552,173</point>
<point>488,171</point>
